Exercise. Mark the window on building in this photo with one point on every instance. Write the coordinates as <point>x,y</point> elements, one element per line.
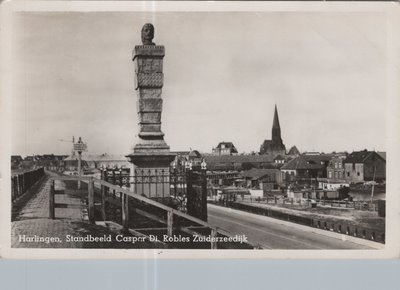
<point>358,173</point>
<point>348,173</point>
<point>330,174</point>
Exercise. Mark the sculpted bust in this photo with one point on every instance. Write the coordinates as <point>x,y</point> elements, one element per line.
<point>148,34</point>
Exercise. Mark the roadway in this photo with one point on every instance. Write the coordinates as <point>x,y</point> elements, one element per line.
<point>270,233</point>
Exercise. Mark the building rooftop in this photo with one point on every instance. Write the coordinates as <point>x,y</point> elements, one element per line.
<point>228,145</point>
<point>239,158</point>
<point>98,157</point>
<point>382,154</point>
<point>256,173</point>
<point>361,156</point>
<point>308,162</point>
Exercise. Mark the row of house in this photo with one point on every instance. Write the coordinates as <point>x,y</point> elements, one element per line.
<point>317,175</point>
<point>34,161</point>
<point>359,166</point>
<point>68,162</point>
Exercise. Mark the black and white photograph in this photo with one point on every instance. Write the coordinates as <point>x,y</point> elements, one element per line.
<point>189,128</point>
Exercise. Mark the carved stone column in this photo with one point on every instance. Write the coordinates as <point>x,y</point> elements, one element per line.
<point>151,155</point>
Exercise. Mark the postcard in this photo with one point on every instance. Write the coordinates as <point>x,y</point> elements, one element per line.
<point>199,130</point>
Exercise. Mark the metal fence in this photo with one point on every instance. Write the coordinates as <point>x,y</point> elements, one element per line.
<point>173,222</point>
<point>339,226</point>
<point>20,183</point>
<point>357,205</point>
<point>184,190</point>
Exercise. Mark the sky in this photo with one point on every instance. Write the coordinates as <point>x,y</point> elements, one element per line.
<point>224,72</point>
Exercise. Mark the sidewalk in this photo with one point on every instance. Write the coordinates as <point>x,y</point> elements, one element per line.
<point>32,228</point>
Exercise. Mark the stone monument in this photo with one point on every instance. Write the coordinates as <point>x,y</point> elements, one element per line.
<point>150,155</point>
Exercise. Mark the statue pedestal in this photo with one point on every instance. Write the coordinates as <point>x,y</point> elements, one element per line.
<point>152,174</point>
<point>151,156</point>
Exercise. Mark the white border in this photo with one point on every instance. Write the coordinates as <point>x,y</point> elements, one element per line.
<point>392,10</point>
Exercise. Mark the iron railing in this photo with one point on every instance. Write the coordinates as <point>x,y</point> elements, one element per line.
<point>20,183</point>
<point>175,220</point>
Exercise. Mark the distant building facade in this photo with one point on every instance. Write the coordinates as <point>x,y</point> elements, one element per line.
<point>274,146</point>
<point>225,148</point>
<point>16,161</point>
<point>335,169</point>
<point>293,151</point>
<point>193,156</point>
<point>363,166</point>
<point>265,179</point>
<point>48,161</point>
<point>306,167</point>
<point>239,162</point>
<point>96,161</point>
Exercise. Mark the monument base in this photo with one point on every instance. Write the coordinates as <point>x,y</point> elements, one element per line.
<point>152,173</point>
<point>147,147</point>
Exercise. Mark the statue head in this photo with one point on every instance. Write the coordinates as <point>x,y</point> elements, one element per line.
<point>148,34</point>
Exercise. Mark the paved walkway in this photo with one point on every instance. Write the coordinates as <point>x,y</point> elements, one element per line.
<point>38,205</point>
<point>32,228</point>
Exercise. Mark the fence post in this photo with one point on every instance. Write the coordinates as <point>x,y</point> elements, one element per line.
<point>91,200</point>
<point>204,195</point>
<point>170,223</point>
<point>103,197</point>
<point>17,185</point>
<point>189,192</point>
<point>23,183</point>
<point>51,200</point>
<point>125,212</point>
<point>12,189</point>
<point>214,234</point>
<point>113,181</point>
<point>175,177</point>
<point>120,182</point>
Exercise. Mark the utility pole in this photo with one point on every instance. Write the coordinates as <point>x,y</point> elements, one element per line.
<point>80,147</point>
<point>373,185</point>
<point>79,164</point>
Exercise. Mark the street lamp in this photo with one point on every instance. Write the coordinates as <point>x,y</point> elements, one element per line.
<point>203,165</point>
<point>188,165</point>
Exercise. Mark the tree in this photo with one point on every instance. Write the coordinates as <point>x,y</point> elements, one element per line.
<point>344,192</point>
<point>247,165</point>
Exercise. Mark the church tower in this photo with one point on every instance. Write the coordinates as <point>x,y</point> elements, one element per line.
<point>274,146</point>
<point>276,129</point>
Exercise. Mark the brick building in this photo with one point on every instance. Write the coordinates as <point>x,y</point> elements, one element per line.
<point>363,166</point>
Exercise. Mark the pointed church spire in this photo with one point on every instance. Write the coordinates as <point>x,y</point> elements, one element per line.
<point>274,146</point>
<point>275,124</point>
<point>276,129</point>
